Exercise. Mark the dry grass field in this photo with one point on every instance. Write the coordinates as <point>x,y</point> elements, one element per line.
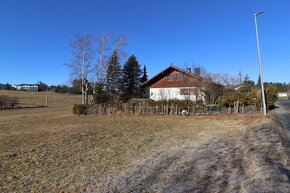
<point>50,150</point>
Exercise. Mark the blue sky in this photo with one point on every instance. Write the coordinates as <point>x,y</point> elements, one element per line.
<point>218,35</point>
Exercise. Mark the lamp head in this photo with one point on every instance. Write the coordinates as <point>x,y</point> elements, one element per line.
<point>256,14</point>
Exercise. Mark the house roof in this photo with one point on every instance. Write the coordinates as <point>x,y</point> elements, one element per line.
<point>164,73</point>
<point>26,85</point>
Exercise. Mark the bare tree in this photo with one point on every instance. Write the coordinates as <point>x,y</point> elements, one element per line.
<point>12,101</point>
<point>210,87</point>
<point>224,79</point>
<point>211,90</point>
<point>213,85</point>
<point>81,64</point>
<point>121,40</point>
<point>102,57</point>
<point>106,45</point>
<point>3,101</point>
<point>6,101</point>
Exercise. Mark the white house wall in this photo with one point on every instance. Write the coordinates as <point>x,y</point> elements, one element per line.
<point>158,94</point>
<point>26,87</point>
<point>282,94</point>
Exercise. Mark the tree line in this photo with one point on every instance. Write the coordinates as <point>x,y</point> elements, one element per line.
<point>235,92</point>
<point>121,83</point>
<point>248,93</point>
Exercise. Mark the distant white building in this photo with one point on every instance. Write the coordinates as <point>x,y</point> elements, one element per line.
<point>26,87</point>
<point>282,94</point>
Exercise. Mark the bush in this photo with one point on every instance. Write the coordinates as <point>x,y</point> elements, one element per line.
<point>60,89</point>
<point>12,101</point>
<point>7,102</point>
<point>79,109</point>
<point>3,101</point>
<point>230,98</point>
<point>74,90</point>
<point>271,96</point>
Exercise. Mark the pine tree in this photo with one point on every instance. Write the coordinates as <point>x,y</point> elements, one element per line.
<point>144,89</point>
<point>131,79</point>
<point>247,86</point>
<point>144,77</point>
<point>100,96</point>
<point>247,77</point>
<point>113,76</point>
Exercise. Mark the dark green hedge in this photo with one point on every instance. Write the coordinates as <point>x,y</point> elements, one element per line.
<point>79,109</point>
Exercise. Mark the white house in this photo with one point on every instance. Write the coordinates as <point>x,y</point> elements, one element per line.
<point>26,87</point>
<point>282,94</point>
<point>174,83</point>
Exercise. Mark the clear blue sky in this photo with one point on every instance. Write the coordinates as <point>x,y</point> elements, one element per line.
<point>216,35</point>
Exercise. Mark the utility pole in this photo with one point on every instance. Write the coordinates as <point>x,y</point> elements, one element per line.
<point>260,64</point>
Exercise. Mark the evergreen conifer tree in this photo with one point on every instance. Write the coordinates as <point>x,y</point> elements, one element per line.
<point>144,77</point>
<point>100,96</point>
<point>144,89</point>
<point>114,76</point>
<point>131,79</point>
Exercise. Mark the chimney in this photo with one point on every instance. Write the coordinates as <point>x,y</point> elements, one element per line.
<point>197,72</point>
<point>189,70</point>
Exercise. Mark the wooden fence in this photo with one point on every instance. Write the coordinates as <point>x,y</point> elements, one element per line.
<point>168,109</point>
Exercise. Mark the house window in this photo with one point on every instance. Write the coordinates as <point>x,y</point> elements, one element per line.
<point>184,91</point>
<point>189,91</point>
<point>180,76</point>
<point>170,77</point>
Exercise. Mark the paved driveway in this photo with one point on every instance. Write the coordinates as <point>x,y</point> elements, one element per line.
<point>283,114</point>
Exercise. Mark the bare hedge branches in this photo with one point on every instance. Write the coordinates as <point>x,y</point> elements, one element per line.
<point>8,102</point>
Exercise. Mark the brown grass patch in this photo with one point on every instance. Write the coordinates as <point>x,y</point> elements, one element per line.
<point>49,149</point>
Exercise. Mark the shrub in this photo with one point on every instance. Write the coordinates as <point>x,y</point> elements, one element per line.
<point>79,109</point>
<point>229,98</point>
<point>12,101</point>
<point>271,96</point>
<point>6,101</point>
<point>3,101</point>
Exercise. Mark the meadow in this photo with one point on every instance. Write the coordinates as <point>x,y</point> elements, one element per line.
<point>49,149</point>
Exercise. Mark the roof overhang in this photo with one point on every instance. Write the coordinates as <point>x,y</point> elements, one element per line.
<point>164,73</point>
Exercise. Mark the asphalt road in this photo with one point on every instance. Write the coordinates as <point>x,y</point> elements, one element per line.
<point>283,114</point>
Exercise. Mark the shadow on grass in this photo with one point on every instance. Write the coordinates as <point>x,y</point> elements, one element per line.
<point>25,107</point>
<point>280,167</point>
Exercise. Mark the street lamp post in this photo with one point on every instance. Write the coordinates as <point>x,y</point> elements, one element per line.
<point>259,60</point>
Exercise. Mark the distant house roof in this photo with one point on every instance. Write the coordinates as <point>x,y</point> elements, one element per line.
<point>166,72</point>
<point>27,85</point>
